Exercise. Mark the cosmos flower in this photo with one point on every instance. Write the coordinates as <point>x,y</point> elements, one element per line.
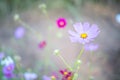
<point>91,47</point>
<point>84,32</point>
<point>42,44</point>
<point>30,76</point>
<point>67,75</point>
<point>8,70</point>
<point>19,32</point>
<point>61,22</point>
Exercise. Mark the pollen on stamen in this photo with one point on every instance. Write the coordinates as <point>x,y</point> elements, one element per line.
<point>83,35</point>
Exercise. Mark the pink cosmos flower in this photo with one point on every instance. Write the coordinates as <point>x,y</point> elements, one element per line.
<point>61,22</point>
<point>91,47</point>
<point>66,75</point>
<point>42,44</point>
<point>84,32</point>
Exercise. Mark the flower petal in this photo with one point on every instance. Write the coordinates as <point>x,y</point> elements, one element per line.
<point>78,27</point>
<point>94,28</point>
<point>73,39</point>
<point>86,26</point>
<point>72,33</point>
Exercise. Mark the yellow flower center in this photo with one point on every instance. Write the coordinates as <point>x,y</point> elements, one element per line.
<point>61,23</point>
<point>83,35</point>
<point>65,73</point>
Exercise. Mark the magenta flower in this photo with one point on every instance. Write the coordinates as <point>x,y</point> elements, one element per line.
<point>91,47</point>
<point>66,75</point>
<point>61,22</point>
<point>8,70</point>
<point>42,44</point>
<point>19,32</point>
<point>84,32</point>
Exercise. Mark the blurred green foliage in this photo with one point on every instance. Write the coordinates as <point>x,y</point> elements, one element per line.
<point>9,6</point>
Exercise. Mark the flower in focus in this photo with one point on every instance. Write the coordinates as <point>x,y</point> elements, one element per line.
<point>84,32</point>
<point>61,22</point>
<point>91,47</point>
<point>2,55</point>
<point>30,76</point>
<point>19,32</point>
<point>67,75</point>
<point>8,70</point>
<point>7,61</point>
<point>42,44</point>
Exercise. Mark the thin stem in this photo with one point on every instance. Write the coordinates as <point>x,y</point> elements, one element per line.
<point>65,62</point>
<point>90,62</point>
<point>80,54</point>
<point>32,30</point>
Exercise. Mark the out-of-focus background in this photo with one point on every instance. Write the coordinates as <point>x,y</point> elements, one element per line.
<point>39,21</point>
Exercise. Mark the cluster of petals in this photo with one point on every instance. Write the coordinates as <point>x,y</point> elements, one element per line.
<point>84,33</point>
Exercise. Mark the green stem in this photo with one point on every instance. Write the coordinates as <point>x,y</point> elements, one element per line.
<point>65,62</point>
<point>80,54</point>
<point>32,30</point>
<point>90,64</point>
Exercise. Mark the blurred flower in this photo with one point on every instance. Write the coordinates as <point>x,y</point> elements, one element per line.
<point>67,75</point>
<point>19,32</point>
<point>42,44</point>
<point>56,52</point>
<point>91,47</point>
<point>2,55</point>
<point>61,22</point>
<point>8,70</point>
<point>46,78</point>
<point>53,77</point>
<point>7,61</point>
<point>84,33</point>
<point>118,18</point>
<point>16,17</point>
<point>30,76</point>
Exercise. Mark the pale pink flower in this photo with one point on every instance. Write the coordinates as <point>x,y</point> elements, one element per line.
<point>84,32</point>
